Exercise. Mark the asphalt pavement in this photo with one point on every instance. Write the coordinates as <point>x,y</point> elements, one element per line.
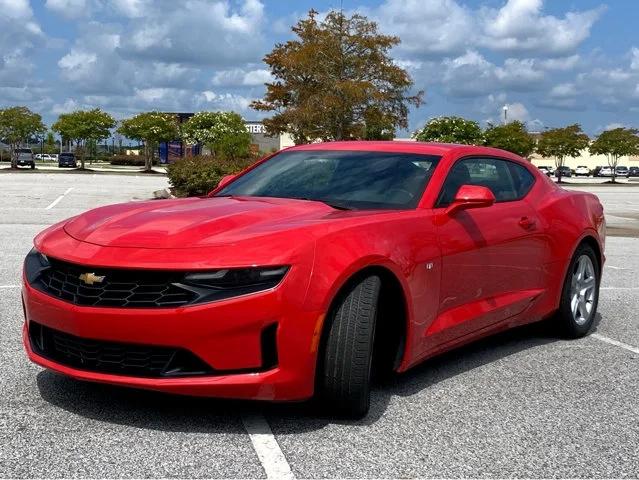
<point>520,404</point>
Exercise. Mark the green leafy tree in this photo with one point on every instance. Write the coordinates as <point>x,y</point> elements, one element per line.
<point>512,136</point>
<point>329,79</point>
<point>616,143</point>
<point>150,128</point>
<point>49,142</point>
<point>17,125</point>
<point>561,143</point>
<point>224,133</point>
<point>84,127</point>
<point>451,130</point>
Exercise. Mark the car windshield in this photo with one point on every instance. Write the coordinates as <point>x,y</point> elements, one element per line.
<point>66,155</point>
<point>342,179</point>
<point>23,150</point>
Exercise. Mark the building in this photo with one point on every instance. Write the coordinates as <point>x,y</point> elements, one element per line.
<point>260,142</point>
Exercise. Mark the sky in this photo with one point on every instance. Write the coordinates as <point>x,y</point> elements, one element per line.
<point>553,63</point>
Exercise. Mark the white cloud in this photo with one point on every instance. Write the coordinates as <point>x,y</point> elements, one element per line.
<point>446,27</point>
<point>197,32</point>
<point>433,27</point>
<point>130,8</point>
<point>240,77</point>
<point>472,74</point>
<point>560,63</point>
<point>68,8</point>
<point>634,62</point>
<point>520,25</point>
<point>20,34</point>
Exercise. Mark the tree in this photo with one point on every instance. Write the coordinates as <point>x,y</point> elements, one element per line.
<point>50,143</point>
<point>329,80</point>
<point>512,136</point>
<point>224,133</point>
<point>561,143</point>
<point>84,127</point>
<point>17,124</point>
<point>150,128</point>
<point>616,143</point>
<point>451,130</point>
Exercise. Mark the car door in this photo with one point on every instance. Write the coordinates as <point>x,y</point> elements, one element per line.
<point>491,257</point>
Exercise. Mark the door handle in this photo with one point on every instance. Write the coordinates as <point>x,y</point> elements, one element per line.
<point>527,223</point>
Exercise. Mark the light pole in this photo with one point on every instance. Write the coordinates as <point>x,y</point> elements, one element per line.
<point>505,114</point>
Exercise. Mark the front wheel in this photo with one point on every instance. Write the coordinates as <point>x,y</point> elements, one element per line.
<point>345,372</point>
<point>580,293</point>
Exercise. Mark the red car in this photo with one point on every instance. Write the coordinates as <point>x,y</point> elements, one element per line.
<point>311,270</point>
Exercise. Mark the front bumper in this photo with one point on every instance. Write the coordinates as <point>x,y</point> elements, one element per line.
<point>226,335</point>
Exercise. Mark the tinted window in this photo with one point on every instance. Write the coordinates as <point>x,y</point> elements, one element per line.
<point>507,180</point>
<point>66,155</point>
<point>350,179</point>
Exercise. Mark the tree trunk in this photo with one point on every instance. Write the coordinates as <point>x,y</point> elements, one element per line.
<point>14,158</point>
<point>148,160</point>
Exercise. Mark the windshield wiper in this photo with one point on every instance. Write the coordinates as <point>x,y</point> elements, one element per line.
<point>336,206</point>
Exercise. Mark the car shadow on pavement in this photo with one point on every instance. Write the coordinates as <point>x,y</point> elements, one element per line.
<point>166,412</point>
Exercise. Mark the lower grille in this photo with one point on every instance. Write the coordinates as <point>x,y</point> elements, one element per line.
<point>112,357</point>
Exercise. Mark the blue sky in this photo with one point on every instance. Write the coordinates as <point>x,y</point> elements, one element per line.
<point>553,62</point>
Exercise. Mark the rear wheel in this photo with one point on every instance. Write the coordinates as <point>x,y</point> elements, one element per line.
<point>580,293</point>
<point>345,372</point>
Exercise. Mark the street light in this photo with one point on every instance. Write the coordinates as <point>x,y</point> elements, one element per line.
<point>505,114</point>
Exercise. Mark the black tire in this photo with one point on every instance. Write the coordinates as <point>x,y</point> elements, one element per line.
<point>345,373</point>
<point>568,325</point>
<point>32,166</point>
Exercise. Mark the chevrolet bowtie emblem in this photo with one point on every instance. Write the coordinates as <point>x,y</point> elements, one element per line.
<point>91,278</point>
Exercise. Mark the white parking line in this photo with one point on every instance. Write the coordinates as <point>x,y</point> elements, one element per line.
<point>268,450</point>
<point>9,286</point>
<point>57,200</point>
<point>616,343</point>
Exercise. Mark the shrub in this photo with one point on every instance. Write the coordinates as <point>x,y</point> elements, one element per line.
<point>129,160</point>
<point>193,176</point>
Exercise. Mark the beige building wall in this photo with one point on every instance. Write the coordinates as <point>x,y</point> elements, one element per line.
<point>590,161</point>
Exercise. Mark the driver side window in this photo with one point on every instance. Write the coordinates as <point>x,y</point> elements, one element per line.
<point>507,180</point>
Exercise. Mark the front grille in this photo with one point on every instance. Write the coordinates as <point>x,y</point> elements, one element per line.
<point>112,357</point>
<point>118,288</point>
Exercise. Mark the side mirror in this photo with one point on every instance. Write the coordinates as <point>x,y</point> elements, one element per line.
<point>471,196</point>
<point>226,179</point>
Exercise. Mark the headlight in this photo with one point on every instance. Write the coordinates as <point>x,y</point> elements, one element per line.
<point>34,264</point>
<point>232,282</point>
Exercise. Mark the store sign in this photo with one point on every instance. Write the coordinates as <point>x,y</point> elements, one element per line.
<point>255,127</point>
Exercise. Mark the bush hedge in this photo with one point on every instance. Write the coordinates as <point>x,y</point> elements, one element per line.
<point>129,160</point>
<point>195,176</point>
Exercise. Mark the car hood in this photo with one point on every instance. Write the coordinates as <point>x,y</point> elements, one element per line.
<point>196,222</point>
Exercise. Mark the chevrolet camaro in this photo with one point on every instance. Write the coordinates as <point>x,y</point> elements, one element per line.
<point>312,272</point>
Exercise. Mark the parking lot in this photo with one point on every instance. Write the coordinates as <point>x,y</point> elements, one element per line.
<point>521,404</point>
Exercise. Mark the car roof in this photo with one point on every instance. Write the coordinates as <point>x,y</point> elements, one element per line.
<point>405,146</point>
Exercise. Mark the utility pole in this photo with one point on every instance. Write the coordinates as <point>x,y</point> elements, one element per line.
<point>505,114</point>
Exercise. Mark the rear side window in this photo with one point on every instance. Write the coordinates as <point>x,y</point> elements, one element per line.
<point>507,180</point>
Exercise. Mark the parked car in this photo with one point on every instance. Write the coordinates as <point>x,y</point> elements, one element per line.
<point>24,157</point>
<point>633,172</point>
<point>545,170</point>
<point>605,172</point>
<point>67,160</point>
<point>47,157</point>
<point>309,270</point>
<point>596,171</point>
<point>582,171</point>
<point>621,171</point>
<point>565,171</point>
